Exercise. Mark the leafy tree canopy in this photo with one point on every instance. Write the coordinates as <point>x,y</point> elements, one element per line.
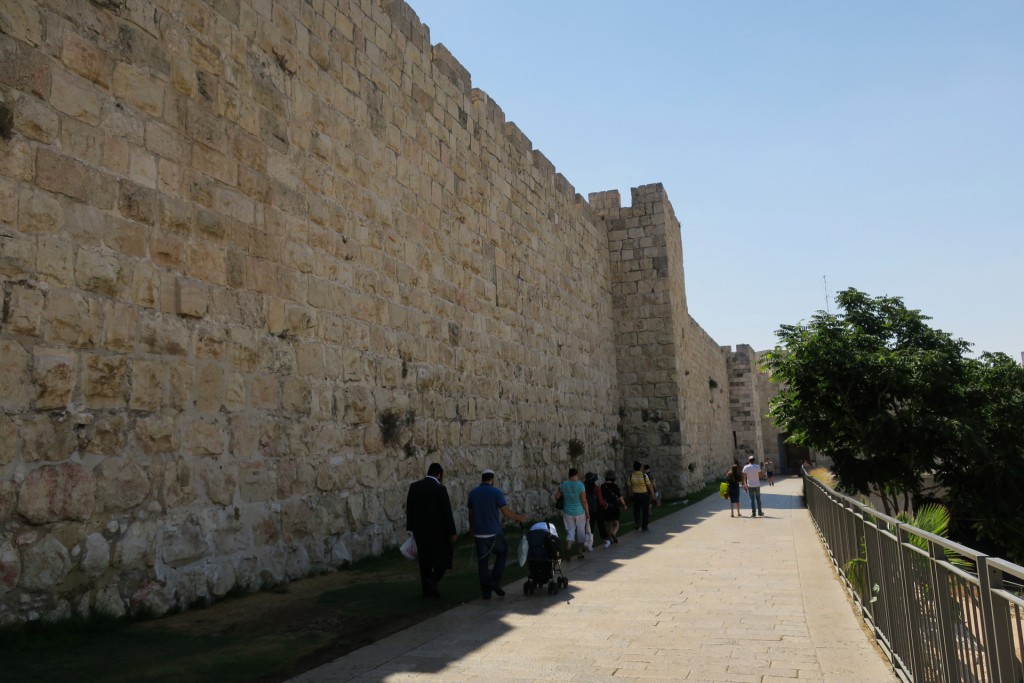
<point>890,399</point>
<point>874,388</point>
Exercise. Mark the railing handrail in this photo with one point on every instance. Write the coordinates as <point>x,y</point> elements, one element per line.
<point>936,621</point>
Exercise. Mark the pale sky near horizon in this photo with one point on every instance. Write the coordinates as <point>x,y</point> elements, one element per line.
<point>877,145</point>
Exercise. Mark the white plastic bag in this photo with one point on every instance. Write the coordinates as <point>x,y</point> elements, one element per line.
<point>409,549</point>
<point>588,543</point>
<point>524,550</point>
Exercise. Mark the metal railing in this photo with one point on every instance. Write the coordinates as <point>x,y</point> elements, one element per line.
<point>941,611</point>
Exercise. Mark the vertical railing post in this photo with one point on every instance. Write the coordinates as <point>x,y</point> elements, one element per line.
<point>911,613</point>
<point>943,610</point>
<point>996,618</point>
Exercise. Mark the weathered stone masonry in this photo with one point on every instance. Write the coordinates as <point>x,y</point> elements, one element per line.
<point>261,262</point>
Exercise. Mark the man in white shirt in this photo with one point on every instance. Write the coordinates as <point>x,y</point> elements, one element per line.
<point>752,484</point>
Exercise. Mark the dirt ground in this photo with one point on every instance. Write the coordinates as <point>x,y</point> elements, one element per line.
<point>300,607</point>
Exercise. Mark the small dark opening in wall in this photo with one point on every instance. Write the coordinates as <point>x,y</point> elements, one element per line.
<point>6,122</point>
<point>735,441</point>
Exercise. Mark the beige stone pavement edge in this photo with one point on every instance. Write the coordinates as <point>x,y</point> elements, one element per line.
<point>701,597</point>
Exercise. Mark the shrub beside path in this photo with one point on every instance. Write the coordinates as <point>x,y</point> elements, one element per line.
<point>701,597</point>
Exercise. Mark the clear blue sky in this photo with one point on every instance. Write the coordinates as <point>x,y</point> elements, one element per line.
<point>878,144</point>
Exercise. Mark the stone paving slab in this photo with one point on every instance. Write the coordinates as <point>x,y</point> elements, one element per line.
<point>702,597</point>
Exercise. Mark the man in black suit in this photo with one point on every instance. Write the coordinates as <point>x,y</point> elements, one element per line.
<point>428,515</point>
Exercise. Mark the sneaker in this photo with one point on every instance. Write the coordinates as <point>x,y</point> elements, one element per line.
<point>608,543</point>
<point>500,592</point>
<point>760,514</point>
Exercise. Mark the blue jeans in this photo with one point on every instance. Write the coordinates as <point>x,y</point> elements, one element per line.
<point>490,577</point>
<point>755,500</point>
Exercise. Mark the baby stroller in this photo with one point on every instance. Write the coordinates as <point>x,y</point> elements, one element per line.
<point>543,561</point>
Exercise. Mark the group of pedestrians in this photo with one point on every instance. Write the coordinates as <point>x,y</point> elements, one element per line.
<point>750,479</point>
<point>430,520</point>
<point>587,505</point>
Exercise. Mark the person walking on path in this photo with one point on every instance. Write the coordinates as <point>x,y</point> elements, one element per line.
<point>655,494</point>
<point>575,512</point>
<point>487,505</point>
<point>769,468</point>
<point>428,517</point>
<point>752,484</point>
<point>733,478</point>
<point>597,506</point>
<point>640,491</point>
<point>613,498</point>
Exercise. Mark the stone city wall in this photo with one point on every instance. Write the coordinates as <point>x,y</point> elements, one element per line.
<point>261,262</point>
<point>707,420</point>
<point>744,403</point>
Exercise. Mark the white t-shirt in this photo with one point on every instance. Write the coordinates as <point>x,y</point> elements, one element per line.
<point>752,473</point>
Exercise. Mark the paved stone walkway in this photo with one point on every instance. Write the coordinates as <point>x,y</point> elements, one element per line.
<point>702,597</point>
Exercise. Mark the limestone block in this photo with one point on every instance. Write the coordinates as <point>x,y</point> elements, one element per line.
<point>296,517</point>
<point>265,392</point>
<point>122,324</point>
<point>137,548</point>
<point>145,285</point>
<point>179,384</point>
<point>208,262</point>
<point>222,580</point>
<point>156,434</point>
<point>35,119</point>
<point>53,493</point>
<point>235,392</point>
<point>257,482</point>
<point>209,387</point>
<point>191,298</point>
<point>55,260</point>
<point>163,335</point>
<point>120,485</point>
<point>108,601</point>
<point>105,381</point>
<point>55,373</point>
<point>65,175</point>
<point>138,203</point>
<point>148,379</point>
<point>100,272</point>
<point>210,342</point>
<point>45,565</point>
<point>309,359</point>
<point>142,168</point>
<point>296,396</point>
<point>359,405</point>
<point>96,555</point>
<point>46,438</point>
<point>177,487</point>
<point>221,483</point>
<point>298,563</point>
<point>15,392</point>
<point>151,597</point>
<point>205,437</point>
<point>139,87</point>
<point>168,250</point>
<point>10,445</point>
<point>183,542</point>
<point>76,97</point>
<point>86,59</point>
<point>72,319</point>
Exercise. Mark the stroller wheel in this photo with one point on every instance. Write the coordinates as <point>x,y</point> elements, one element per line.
<point>526,588</point>
<point>563,581</point>
<point>552,588</point>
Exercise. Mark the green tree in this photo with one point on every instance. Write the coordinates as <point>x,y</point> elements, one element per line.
<point>876,389</point>
<point>984,485</point>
